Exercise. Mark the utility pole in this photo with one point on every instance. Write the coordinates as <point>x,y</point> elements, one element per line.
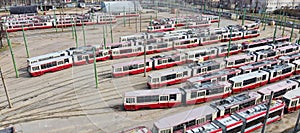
<point>124,20</point>
<point>145,60</point>
<point>244,14</point>
<point>274,36</point>
<point>25,42</point>
<point>293,25</point>
<point>95,69</point>
<point>55,20</point>
<point>12,55</point>
<point>283,27</point>
<point>297,123</point>
<point>219,18</point>
<point>76,38</point>
<point>140,22</point>
<point>104,38</point>
<point>5,89</point>
<point>267,113</point>
<point>84,42</point>
<point>228,50</point>
<point>73,34</point>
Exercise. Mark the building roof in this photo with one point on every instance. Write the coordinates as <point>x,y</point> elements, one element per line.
<point>120,6</point>
<point>184,117</point>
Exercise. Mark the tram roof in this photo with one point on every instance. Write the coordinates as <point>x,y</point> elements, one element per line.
<point>152,92</point>
<point>130,63</point>
<point>183,117</point>
<point>47,55</point>
<point>240,78</point>
<point>292,94</point>
<point>50,60</point>
<point>276,87</point>
<point>236,57</point>
<point>257,64</point>
<point>169,71</point>
<point>287,47</point>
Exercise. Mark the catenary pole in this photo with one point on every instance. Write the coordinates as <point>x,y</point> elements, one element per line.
<point>293,25</point>
<point>76,38</point>
<point>55,20</point>
<point>228,51</point>
<point>274,36</point>
<point>12,55</point>
<point>283,28</point>
<point>124,20</point>
<point>104,37</point>
<point>25,42</point>
<point>297,123</point>
<point>83,31</point>
<point>5,89</point>
<point>95,69</point>
<point>140,22</point>
<point>267,113</point>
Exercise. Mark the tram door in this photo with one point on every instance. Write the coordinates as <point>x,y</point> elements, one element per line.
<point>294,104</point>
<point>86,59</point>
<point>163,101</point>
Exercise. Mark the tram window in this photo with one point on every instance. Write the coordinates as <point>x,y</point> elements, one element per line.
<point>173,97</point>
<point>35,68</point>
<point>294,103</point>
<point>200,121</point>
<point>274,74</point>
<point>179,75</point>
<point>43,66</point>
<point>238,84</point>
<point>201,94</point>
<point>79,58</point>
<point>54,63</point>
<point>185,73</point>
<point>286,70</point>
<point>230,63</point>
<point>293,87</point>
<point>60,63</point>
<point>163,98</point>
<point>208,117</point>
<point>130,100</point>
<point>166,131</point>
<point>142,65</point>
<point>249,81</point>
<point>264,77</point>
<point>91,56</point>
<point>193,94</point>
<point>125,68</point>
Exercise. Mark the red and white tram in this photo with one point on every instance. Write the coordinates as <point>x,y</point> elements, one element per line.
<point>292,100</point>
<point>290,49</point>
<point>236,35</point>
<point>289,58</point>
<point>236,61</point>
<point>194,117</point>
<point>50,65</point>
<point>279,72</point>
<point>186,43</point>
<point>237,102</point>
<point>279,89</point>
<point>297,66</point>
<point>252,26</point>
<point>254,43</point>
<point>234,49</point>
<point>206,92</point>
<point>249,81</point>
<point>259,65</point>
<point>267,54</point>
<point>250,34</point>
<point>206,67</point>
<point>221,75</point>
<point>168,77</point>
<point>46,57</point>
<point>253,117</point>
<point>209,39</point>
<point>159,98</point>
<point>127,52</point>
<point>158,47</point>
<point>197,24</point>
<point>161,28</point>
<point>278,39</point>
<point>131,68</point>
<point>208,53</point>
<point>161,62</point>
